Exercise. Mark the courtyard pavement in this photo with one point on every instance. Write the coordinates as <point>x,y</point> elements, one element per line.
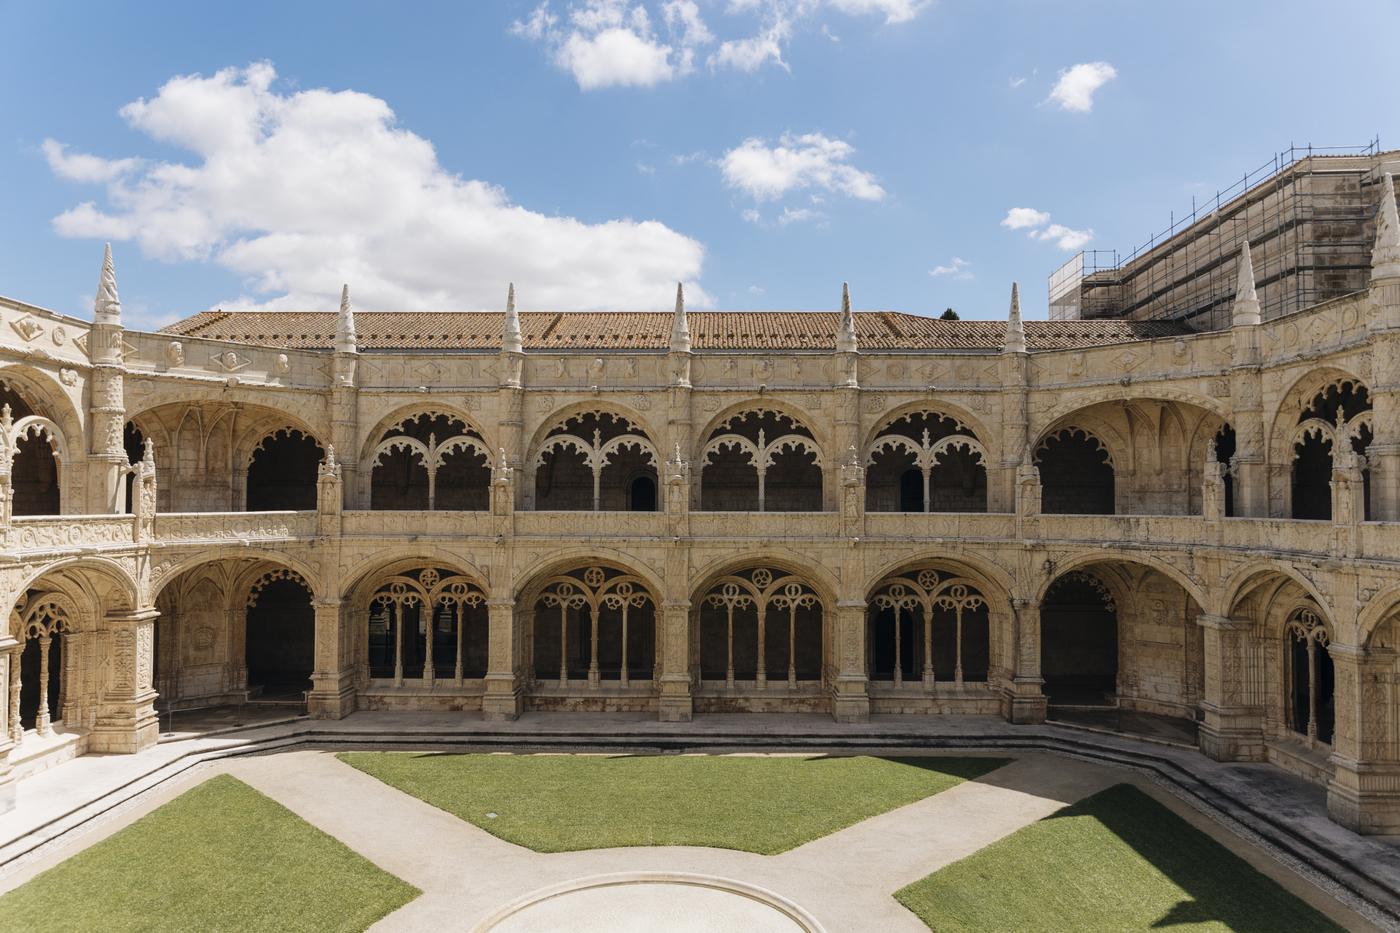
<point>844,880</point>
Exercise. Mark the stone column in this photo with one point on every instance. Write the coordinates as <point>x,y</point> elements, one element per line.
<point>1232,727</point>
<point>1025,700</point>
<point>850,692</point>
<point>504,696</point>
<point>1364,792</point>
<point>9,673</point>
<point>333,681</point>
<point>674,702</point>
<point>126,716</point>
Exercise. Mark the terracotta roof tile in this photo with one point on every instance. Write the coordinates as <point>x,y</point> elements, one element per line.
<point>627,330</point>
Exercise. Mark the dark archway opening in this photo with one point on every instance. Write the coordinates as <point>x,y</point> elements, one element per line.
<point>1075,474</point>
<point>642,495</point>
<point>134,442</point>
<point>1225,446</point>
<point>911,491</point>
<point>1078,642</point>
<point>29,668</point>
<point>34,470</point>
<point>1312,478</point>
<point>282,474</point>
<point>280,640</point>
<point>1304,680</point>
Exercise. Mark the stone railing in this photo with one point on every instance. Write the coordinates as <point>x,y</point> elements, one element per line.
<point>765,524</point>
<point>188,527</point>
<point>66,532</point>
<point>412,524</point>
<point>591,524</point>
<point>979,526</point>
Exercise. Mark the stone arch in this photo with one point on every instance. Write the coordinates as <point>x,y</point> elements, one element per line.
<point>1246,578</point>
<point>596,618</point>
<point>57,404</point>
<point>366,570</point>
<point>796,412</point>
<point>752,616</point>
<point>1294,400</point>
<point>827,585</point>
<point>1079,401</point>
<point>760,447</point>
<point>45,444</point>
<point>431,458</point>
<point>282,470</point>
<point>164,574</point>
<point>51,686</point>
<point>923,459</point>
<point>959,413</point>
<point>932,624</point>
<point>1379,609</point>
<point>1085,559</point>
<point>1122,630</point>
<point>584,457</point>
<point>1077,472</point>
<point>231,625</point>
<point>404,412</point>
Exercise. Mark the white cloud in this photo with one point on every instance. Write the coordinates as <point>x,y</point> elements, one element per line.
<point>756,290</point>
<point>645,169</point>
<point>78,166</point>
<point>301,191</point>
<point>749,55</point>
<point>1063,236</point>
<point>1076,86</point>
<point>613,43</point>
<point>799,215</point>
<point>767,172</point>
<point>751,216</point>
<point>895,11</point>
<point>1015,82</point>
<point>1038,227</point>
<point>957,268</point>
<point>1019,218</point>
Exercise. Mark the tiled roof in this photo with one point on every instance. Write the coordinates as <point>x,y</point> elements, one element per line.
<point>627,330</point>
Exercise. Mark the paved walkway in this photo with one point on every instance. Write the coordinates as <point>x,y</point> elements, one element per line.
<point>845,879</point>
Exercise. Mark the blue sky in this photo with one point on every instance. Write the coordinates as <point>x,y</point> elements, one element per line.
<point>595,151</point>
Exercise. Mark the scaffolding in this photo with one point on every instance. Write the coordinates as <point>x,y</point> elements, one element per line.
<point>1308,214</point>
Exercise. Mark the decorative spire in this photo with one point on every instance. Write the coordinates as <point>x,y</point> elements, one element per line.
<point>1015,341</point>
<point>680,327</point>
<point>511,341</point>
<point>148,454</point>
<point>846,330</point>
<point>1385,258</point>
<point>1246,311</point>
<point>107,309</point>
<point>345,338</point>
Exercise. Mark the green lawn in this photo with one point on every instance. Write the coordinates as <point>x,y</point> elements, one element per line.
<point>563,803</point>
<point>219,857</point>
<point>1115,861</point>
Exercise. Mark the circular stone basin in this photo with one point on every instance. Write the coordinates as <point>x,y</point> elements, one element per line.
<point>648,901</point>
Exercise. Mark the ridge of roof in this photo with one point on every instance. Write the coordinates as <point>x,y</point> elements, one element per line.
<point>649,330</point>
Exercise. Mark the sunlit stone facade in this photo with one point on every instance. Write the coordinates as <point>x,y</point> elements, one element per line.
<point>848,513</point>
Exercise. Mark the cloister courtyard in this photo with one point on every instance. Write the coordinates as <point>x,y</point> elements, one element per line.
<point>220,829</point>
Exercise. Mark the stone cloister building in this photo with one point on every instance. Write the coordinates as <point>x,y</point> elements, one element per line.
<point>850,513</point>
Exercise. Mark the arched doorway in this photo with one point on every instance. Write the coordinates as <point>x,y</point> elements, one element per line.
<point>928,627</point>
<point>1310,677</point>
<point>761,460</point>
<point>1079,641</point>
<point>1076,474</point>
<point>280,636</point>
<point>45,619</point>
<point>591,625</point>
<point>282,473</point>
<point>760,629</point>
<point>427,626</point>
